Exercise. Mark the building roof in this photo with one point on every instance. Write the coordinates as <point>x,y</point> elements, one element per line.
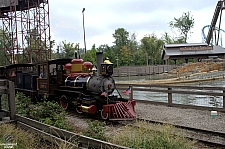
<point>191,50</point>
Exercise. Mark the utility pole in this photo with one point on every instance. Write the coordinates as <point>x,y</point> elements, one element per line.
<point>84,31</point>
<point>117,59</point>
<point>147,59</point>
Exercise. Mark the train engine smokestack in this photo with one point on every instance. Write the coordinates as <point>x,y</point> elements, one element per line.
<point>99,59</point>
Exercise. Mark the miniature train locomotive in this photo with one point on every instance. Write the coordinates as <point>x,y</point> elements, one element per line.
<point>73,83</point>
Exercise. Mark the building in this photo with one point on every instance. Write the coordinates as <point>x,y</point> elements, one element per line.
<point>196,51</point>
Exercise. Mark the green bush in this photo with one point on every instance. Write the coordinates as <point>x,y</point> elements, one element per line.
<point>96,130</point>
<point>48,112</point>
<point>46,109</point>
<point>4,102</point>
<point>24,105</point>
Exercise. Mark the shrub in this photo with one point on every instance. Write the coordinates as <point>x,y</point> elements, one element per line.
<point>4,102</point>
<point>96,130</point>
<point>23,104</point>
<point>48,112</point>
<point>46,109</point>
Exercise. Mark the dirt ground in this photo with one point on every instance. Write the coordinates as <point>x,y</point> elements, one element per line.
<point>199,67</point>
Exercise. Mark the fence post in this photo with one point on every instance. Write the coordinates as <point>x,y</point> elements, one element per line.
<point>223,101</point>
<point>0,106</point>
<point>131,93</point>
<point>12,101</point>
<point>118,74</point>
<point>169,97</point>
<point>0,102</point>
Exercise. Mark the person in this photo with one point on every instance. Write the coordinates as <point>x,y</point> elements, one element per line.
<point>41,75</point>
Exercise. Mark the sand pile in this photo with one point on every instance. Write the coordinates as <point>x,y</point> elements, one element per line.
<point>198,67</point>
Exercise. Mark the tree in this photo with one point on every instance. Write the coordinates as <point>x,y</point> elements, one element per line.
<point>90,55</point>
<point>169,40</point>
<point>125,46</point>
<point>133,45</point>
<point>68,49</point>
<point>2,53</point>
<point>36,48</point>
<point>121,37</point>
<point>152,47</point>
<point>5,44</point>
<point>183,24</point>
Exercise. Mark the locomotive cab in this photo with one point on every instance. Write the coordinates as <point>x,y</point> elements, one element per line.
<point>51,75</point>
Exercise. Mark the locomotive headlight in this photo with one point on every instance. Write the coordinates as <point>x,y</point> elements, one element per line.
<point>110,86</point>
<point>110,68</point>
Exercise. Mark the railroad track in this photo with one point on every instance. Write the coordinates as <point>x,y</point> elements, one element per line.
<point>56,135</point>
<point>84,116</point>
<point>210,138</point>
<point>207,137</point>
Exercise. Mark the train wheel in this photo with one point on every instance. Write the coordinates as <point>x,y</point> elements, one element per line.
<point>63,102</point>
<point>104,115</point>
<point>79,111</point>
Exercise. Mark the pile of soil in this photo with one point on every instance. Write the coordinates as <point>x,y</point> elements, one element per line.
<point>198,67</point>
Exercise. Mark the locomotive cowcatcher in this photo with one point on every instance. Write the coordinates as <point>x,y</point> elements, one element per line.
<point>74,83</point>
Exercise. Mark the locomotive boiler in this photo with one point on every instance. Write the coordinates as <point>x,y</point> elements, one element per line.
<point>92,92</point>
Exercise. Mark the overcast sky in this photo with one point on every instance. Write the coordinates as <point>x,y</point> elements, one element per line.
<point>103,17</point>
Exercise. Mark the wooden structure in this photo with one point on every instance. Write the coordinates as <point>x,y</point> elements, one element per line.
<point>196,51</point>
<point>125,71</point>
<point>7,87</point>
<point>171,90</point>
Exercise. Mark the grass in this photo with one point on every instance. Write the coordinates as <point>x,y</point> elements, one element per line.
<point>141,136</point>
<point>23,139</point>
<point>145,136</point>
<point>150,136</point>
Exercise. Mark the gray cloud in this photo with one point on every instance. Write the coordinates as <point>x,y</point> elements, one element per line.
<point>103,17</point>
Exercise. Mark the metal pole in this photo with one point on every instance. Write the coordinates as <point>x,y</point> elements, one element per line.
<point>147,59</point>
<point>84,31</point>
<point>223,101</point>
<point>117,59</point>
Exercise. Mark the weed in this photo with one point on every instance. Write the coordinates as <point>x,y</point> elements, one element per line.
<point>20,138</point>
<point>96,130</point>
<point>150,136</point>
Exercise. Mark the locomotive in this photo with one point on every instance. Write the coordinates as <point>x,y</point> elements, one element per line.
<point>73,83</point>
